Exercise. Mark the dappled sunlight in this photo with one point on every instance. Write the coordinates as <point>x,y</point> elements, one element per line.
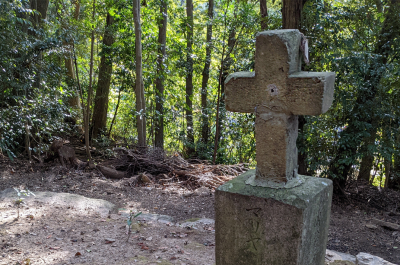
<point>50,234</point>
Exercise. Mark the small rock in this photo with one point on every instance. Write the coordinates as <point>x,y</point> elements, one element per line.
<point>110,240</point>
<point>202,191</point>
<point>371,226</point>
<point>368,259</point>
<point>337,258</point>
<point>149,238</point>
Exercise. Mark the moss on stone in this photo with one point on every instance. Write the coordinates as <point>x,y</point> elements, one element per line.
<point>191,220</point>
<point>296,196</point>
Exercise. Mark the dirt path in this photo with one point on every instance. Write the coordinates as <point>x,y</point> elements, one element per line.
<point>156,243</point>
<point>51,234</point>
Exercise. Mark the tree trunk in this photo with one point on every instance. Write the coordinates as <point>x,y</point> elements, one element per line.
<point>224,72</point>
<point>74,101</point>
<point>291,19</point>
<point>162,40</point>
<point>301,143</point>
<point>189,148</point>
<point>103,86</point>
<point>90,90</point>
<point>115,113</point>
<point>291,13</point>
<point>264,15</point>
<point>206,75</point>
<point>41,6</point>
<point>388,164</point>
<point>139,86</point>
<point>394,181</point>
<point>366,165</point>
<point>351,137</point>
<point>226,62</point>
<point>367,161</point>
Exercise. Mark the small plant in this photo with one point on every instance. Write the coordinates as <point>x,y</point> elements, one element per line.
<point>132,216</point>
<point>20,200</point>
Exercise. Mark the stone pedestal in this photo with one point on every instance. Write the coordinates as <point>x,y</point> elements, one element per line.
<point>266,226</point>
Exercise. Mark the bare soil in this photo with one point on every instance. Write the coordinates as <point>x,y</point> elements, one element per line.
<point>67,236</point>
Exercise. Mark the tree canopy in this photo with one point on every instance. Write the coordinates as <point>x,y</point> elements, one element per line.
<point>176,98</point>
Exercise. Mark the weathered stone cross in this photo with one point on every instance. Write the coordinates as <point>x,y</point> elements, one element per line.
<point>276,92</point>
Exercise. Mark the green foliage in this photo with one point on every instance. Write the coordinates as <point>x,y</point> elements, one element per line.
<point>31,96</point>
<point>344,37</point>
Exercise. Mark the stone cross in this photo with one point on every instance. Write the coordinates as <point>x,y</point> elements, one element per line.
<point>276,92</point>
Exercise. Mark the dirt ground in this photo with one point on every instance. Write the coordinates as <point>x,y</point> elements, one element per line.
<point>67,236</point>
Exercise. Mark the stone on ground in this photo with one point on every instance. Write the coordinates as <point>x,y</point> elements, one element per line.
<point>336,258</point>
<point>78,202</point>
<point>368,259</point>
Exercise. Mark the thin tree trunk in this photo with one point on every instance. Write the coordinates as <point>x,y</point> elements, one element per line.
<point>388,164</point>
<point>189,148</point>
<point>41,6</point>
<point>74,101</point>
<point>103,86</point>
<point>90,90</point>
<point>28,141</point>
<point>115,113</point>
<point>69,65</point>
<point>394,181</point>
<point>162,40</point>
<point>216,138</point>
<point>264,15</point>
<point>77,9</point>
<point>226,62</point>
<point>206,75</point>
<point>139,86</point>
<point>78,81</point>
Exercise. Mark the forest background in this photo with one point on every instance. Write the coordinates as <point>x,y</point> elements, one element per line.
<point>152,73</point>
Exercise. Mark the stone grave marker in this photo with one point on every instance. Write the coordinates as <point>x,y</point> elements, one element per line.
<point>272,215</point>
